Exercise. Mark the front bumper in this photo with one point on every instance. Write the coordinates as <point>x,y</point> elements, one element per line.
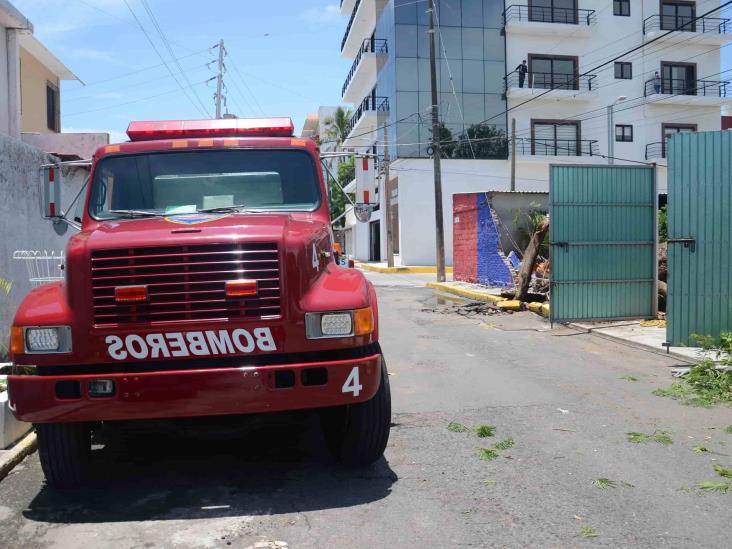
<point>198,392</point>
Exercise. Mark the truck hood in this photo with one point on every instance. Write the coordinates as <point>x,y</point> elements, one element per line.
<point>181,229</point>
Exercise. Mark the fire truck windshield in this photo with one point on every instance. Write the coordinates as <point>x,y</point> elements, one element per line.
<point>185,182</point>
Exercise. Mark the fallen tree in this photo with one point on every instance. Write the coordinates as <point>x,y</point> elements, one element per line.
<point>529,261</point>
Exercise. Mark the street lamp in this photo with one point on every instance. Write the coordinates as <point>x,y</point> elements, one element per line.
<point>610,132</point>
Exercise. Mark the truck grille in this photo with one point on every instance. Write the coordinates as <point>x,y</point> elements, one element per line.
<point>186,282</point>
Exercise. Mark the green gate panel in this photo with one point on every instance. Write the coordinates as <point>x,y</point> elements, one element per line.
<point>700,234</point>
<point>603,234</point>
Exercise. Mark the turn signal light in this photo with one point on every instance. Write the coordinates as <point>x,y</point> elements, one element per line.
<point>363,321</point>
<point>241,288</point>
<point>130,294</point>
<point>17,344</point>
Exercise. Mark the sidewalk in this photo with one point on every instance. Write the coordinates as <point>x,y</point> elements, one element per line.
<point>383,268</point>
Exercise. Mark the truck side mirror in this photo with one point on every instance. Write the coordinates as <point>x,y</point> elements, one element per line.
<point>51,192</point>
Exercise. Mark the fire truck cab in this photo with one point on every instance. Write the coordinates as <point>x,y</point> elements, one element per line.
<point>202,282</point>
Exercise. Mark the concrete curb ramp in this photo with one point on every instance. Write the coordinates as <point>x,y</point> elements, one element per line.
<point>399,270</point>
<point>10,458</point>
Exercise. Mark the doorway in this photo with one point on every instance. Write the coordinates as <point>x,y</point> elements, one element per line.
<point>375,241</point>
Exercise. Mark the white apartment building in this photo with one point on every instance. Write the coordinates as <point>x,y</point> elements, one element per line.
<point>573,102</point>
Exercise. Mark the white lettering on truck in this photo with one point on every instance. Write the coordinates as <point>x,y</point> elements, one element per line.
<point>177,344</point>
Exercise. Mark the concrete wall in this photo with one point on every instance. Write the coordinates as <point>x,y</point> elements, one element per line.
<point>21,225</point>
<point>80,145</point>
<point>33,79</point>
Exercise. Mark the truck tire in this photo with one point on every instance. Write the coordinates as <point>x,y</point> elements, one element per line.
<point>65,452</point>
<point>357,434</point>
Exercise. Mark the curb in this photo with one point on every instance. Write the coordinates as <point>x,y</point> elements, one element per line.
<point>634,344</point>
<point>399,270</point>
<point>15,455</point>
<point>463,292</point>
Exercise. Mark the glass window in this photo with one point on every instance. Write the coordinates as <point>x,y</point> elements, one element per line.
<point>493,72</point>
<point>407,104</point>
<point>448,12</point>
<point>678,15</point>
<point>473,80</point>
<point>473,108</point>
<point>456,69</point>
<point>623,70</point>
<point>621,7</point>
<point>494,45</point>
<point>624,133</point>
<point>450,109</point>
<point>452,38</point>
<point>472,43</point>
<point>493,14</point>
<point>472,15</point>
<point>406,41</point>
<point>405,12</point>
<point>53,117</point>
<point>424,44</point>
<point>406,74</point>
<point>184,182</point>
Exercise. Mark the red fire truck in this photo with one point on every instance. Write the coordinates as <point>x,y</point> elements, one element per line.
<point>202,282</point>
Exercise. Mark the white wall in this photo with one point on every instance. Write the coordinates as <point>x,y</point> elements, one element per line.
<point>610,36</point>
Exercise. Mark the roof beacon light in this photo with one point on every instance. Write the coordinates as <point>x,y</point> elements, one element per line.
<point>226,127</point>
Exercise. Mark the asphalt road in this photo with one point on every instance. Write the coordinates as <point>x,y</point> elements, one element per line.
<point>558,394</point>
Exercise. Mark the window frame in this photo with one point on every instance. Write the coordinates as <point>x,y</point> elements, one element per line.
<point>619,6</point>
<point>556,122</point>
<point>622,65</point>
<point>53,119</point>
<point>625,136</point>
<point>573,58</point>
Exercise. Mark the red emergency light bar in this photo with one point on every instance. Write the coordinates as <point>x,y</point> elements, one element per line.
<point>225,127</point>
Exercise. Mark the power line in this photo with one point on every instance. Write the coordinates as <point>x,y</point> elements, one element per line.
<point>157,52</point>
<point>166,43</point>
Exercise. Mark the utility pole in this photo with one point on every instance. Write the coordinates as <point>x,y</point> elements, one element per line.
<point>387,203</point>
<point>610,140</point>
<point>436,151</point>
<point>513,154</point>
<point>220,79</point>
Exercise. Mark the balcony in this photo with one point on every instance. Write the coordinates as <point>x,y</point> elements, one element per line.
<point>656,151</point>
<point>541,149</point>
<point>564,86</point>
<point>365,69</point>
<point>679,91</point>
<point>361,25</point>
<point>370,114</point>
<point>708,30</point>
<point>535,20</point>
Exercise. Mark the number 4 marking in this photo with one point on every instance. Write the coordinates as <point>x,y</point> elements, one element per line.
<point>352,385</point>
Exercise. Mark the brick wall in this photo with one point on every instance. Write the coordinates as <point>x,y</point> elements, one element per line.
<point>477,253</point>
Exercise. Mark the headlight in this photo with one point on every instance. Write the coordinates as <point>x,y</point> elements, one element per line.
<point>339,324</point>
<point>50,339</point>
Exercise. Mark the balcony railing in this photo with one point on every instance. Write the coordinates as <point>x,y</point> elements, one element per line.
<point>681,86</point>
<point>551,81</point>
<point>370,45</point>
<point>527,146</point>
<point>712,25</point>
<point>539,14</point>
<point>370,104</point>
<point>656,150</point>
<point>350,24</point>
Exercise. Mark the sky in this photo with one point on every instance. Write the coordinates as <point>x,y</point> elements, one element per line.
<point>283,58</point>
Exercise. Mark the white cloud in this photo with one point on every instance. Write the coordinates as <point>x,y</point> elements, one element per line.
<point>114,135</point>
<point>323,15</point>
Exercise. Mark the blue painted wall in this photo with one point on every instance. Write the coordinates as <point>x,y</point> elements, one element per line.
<point>492,269</point>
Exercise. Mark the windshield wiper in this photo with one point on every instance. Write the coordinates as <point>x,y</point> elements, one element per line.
<point>223,209</point>
<point>137,213</point>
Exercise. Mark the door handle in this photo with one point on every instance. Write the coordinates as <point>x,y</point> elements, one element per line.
<point>687,242</point>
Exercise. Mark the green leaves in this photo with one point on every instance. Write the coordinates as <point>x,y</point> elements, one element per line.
<point>504,444</point>
<point>485,431</point>
<point>487,454</point>
<point>604,483</point>
<point>455,427</point>
<point>661,437</point>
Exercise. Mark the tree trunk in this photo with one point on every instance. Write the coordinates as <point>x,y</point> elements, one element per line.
<point>529,261</point>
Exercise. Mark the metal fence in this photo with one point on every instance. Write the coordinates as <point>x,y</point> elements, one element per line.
<point>42,266</point>
<point>548,14</point>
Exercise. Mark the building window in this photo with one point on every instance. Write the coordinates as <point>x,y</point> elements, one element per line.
<point>678,14</point>
<point>553,11</point>
<point>623,70</point>
<point>555,138</point>
<point>53,111</point>
<point>551,73</point>
<point>621,7</point>
<point>624,133</point>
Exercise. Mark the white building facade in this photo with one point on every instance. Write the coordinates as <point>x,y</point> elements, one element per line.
<point>572,101</point>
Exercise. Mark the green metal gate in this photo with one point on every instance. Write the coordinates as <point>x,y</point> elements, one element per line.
<point>603,242</point>
<point>699,235</point>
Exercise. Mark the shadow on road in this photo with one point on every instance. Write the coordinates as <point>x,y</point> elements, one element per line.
<point>209,469</point>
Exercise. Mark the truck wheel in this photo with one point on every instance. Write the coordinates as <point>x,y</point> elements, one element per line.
<point>357,434</point>
<point>65,452</point>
